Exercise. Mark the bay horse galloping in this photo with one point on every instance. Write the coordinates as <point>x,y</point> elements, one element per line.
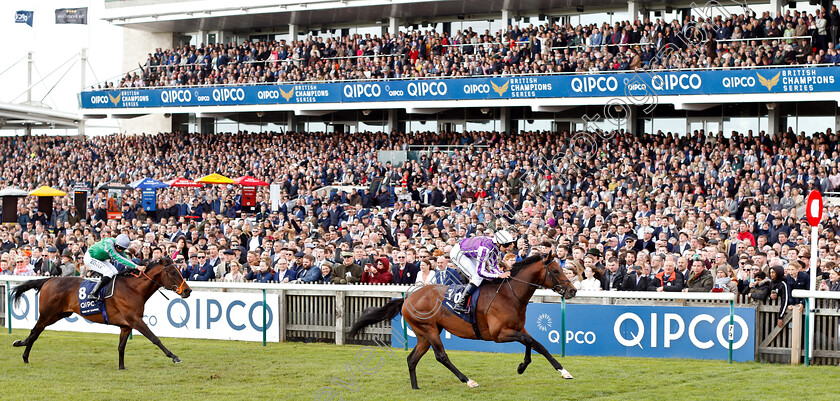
<point>59,299</point>
<point>500,320</point>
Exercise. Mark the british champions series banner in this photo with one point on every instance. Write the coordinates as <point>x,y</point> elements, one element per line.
<point>620,85</point>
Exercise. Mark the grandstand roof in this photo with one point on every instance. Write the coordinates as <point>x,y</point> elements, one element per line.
<point>16,116</point>
<point>181,16</point>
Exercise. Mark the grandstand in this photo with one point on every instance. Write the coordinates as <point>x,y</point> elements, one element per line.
<point>253,67</point>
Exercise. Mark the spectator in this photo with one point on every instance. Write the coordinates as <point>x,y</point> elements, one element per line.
<point>638,279</point>
<point>426,275</point>
<point>263,274</point>
<point>592,281</point>
<point>326,273</point>
<point>235,275</point>
<point>779,290</point>
<point>68,267</point>
<point>347,272</point>
<point>283,274</point>
<point>445,274</point>
<point>379,273</point>
<point>833,282</point>
<point>699,279</point>
<point>669,279</point>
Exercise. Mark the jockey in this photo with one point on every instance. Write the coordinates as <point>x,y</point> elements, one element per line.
<point>98,258</point>
<point>478,258</point>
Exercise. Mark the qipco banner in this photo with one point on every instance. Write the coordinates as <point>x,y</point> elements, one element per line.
<point>210,315</point>
<point>614,330</point>
<point>639,85</point>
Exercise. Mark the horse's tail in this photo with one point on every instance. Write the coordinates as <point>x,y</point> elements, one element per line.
<point>376,315</point>
<point>18,291</point>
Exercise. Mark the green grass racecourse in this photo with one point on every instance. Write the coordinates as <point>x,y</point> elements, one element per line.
<point>61,368</point>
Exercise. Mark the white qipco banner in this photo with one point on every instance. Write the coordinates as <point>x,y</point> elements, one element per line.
<point>210,315</point>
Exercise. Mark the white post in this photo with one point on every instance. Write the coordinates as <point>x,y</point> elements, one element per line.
<point>394,26</point>
<point>30,63</point>
<point>506,17</point>
<point>632,10</point>
<point>293,36</point>
<point>813,287</point>
<point>84,61</point>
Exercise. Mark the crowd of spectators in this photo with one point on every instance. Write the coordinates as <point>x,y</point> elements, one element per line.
<point>649,212</point>
<point>794,38</point>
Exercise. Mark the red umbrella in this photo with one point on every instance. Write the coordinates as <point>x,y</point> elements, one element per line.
<point>182,182</point>
<point>248,181</point>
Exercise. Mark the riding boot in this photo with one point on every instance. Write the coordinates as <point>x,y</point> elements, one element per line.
<point>461,307</point>
<point>94,294</point>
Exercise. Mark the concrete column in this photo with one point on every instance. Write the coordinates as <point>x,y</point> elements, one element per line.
<point>631,123</point>
<point>773,119</point>
<point>291,121</point>
<point>136,46</point>
<point>293,32</point>
<point>632,10</point>
<point>505,123</point>
<point>776,7</point>
<point>837,121</point>
<point>506,17</point>
<point>394,26</point>
<point>394,123</point>
<point>201,37</point>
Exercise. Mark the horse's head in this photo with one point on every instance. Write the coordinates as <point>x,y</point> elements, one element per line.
<point>170,277</point>
<point>555,278</point>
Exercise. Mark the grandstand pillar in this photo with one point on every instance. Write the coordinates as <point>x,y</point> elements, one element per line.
<point>632,119</point>
<point>776,7</point>
<point>136,47</point>
<point>506,17</point>
<point>394,26</point>
<point>293,32</point>
<point>774,120</point>
<point>394,123</point>
<point>505,122</point>
<point>291,122</point>
<point>632,10</point>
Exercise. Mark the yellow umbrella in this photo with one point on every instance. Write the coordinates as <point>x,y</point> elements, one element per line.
<point>214,179</point>
<point>47,191</point>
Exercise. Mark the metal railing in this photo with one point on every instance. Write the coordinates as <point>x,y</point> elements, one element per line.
<point>661,70</point>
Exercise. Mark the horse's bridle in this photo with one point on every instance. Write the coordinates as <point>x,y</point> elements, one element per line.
<point>178,289</point>
<point>558,285</point>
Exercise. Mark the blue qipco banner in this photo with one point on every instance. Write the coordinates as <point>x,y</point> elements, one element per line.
<point>614,330</point>
<point>638,85</point>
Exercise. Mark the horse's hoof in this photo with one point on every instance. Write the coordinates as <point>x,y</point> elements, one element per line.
<point>472,384</point>
<point>176,360</point>
<point>565,373</point>
<point>122,367</point>
<point>521,368</point>
<point>18,343</point>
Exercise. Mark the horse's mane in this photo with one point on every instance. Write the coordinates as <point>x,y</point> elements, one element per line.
<point>518,266</point>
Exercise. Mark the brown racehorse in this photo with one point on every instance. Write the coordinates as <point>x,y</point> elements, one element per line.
<point>503,322</point>
<point>59,299</point>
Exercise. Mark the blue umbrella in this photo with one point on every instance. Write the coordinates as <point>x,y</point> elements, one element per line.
<point>148,183</point>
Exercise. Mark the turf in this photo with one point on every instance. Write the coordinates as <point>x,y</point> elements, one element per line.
<point>79,366</point>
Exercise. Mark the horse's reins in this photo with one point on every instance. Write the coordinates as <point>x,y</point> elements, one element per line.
<point>160,285</point>
<point>557,286</point>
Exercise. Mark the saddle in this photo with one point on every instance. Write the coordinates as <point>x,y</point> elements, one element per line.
<point>87,307</point>
<point>453,294</point>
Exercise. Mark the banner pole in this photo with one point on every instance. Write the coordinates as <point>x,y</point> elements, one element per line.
<point>9,306</point>
<point>265,309</point>
<point>731,327</point>
<point>563,327</point>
